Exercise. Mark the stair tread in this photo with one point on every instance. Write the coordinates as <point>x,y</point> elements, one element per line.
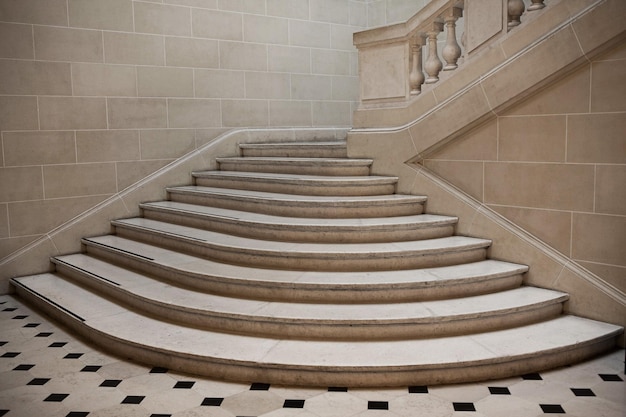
<point>296,178</point>
<point>427,277</point>
<point>302,199</point>
<point>418,220</point>
<point>106,317</point>
<point>297,160</point>
<point>523,298</point>
<point>207,237</point>
<point>293,144</point>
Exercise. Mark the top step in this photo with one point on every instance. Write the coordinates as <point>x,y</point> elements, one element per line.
<point>329,149</point>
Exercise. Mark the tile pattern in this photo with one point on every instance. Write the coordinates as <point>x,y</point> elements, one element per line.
<point>37,377</point>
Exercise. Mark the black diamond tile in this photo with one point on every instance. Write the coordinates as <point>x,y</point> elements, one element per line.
<point>111,383</point>
<point>532,377</point>
<point>3,412</point>
<point>464,407</point>
<point>39,381</point>
<point>77,414</point>
<point>29,325</point>
<point>24,367</point>
<point>44,334</point>
<point>158,370</point>
<point>19,317</point>
<point>499,391</point>
<point>160,415</point>
<point>184,384</point>
<point>10,309</point>
<point>212,402</point>
<point>552,408</point>
<point>418,389</point>
<point>337,389</point>
<point>57,344</point>
<point>133,399</point>
<point>583,392</point>
<point>610,377</point>
<point>72,356</point>
<point>10,354</point>
<point>377,405</point>
<point>91,368</point>
<point>259,386</point>
<point>2,343</point>
<point>56,398</point>
<point>293,404</point>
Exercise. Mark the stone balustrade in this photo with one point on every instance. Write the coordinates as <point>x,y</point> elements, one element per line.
<point>397,61</point>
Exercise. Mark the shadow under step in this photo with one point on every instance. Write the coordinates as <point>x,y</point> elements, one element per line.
<point>291,205</point>
<point>305,256</point>
<point>300,229</point>
<point>319,321</point>
<point>453,359</point>
<point>329,149</point>
<point>307,286</point>
<point>298,184</point>
<point>300,166</point>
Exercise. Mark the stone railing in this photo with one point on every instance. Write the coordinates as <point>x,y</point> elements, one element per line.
<point>396,61</point>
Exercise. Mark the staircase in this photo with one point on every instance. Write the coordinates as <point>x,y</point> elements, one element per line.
<point>292,264</point>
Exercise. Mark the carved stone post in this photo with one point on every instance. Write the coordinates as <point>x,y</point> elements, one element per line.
<point>537,4</point>
<point>433,64</point>
<point>515,10</point>
<point>451,51</point>
<point>416,76</point>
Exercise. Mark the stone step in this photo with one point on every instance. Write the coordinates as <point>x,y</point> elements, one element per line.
<point>328,149</point>
<point>319,321</point>
<point>226,279</point>
<point>291,205</point>
<point>298,184</point>
<point>452,359</point>
<point>301,229</point>
<point>305,256</point>
<point>300,166</point>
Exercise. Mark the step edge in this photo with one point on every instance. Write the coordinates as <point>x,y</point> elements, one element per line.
<point>556,298</point>
<point>335,375</point>
<point>201,277</point>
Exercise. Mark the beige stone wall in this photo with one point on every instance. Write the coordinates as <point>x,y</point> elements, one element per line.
<point>97,94</point>
<point>555,164</point>
<point>386,12</point>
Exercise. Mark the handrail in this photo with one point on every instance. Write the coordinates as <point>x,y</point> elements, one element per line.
<point>392,66</point>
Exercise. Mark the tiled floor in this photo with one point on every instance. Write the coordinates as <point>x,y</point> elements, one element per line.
<point>44,371</point>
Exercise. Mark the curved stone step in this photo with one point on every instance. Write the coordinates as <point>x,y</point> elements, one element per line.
<point>329,149</point>
<point>305,256</point>
<point>300,206</point>
<point>300,166</point>
<point>307,286</point>
<point>298,184</point>
<point>300,229</point>
<point>454,359</point>
<point>320,321</point>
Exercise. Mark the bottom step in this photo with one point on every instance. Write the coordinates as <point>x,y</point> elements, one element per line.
<point>481,356</point>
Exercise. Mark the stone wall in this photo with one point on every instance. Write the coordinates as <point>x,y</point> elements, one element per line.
<point>555,165</point>
<point>97,94</point>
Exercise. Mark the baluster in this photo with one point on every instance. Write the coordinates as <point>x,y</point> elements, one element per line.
<point>416,76</point>
<point>433,64</point>
<point>515,10</point>
<point>451,51</point>
<point>537,4</point>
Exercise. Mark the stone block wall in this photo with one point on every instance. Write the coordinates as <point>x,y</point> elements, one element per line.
<point>555,165</point>
<point>97,94</point>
